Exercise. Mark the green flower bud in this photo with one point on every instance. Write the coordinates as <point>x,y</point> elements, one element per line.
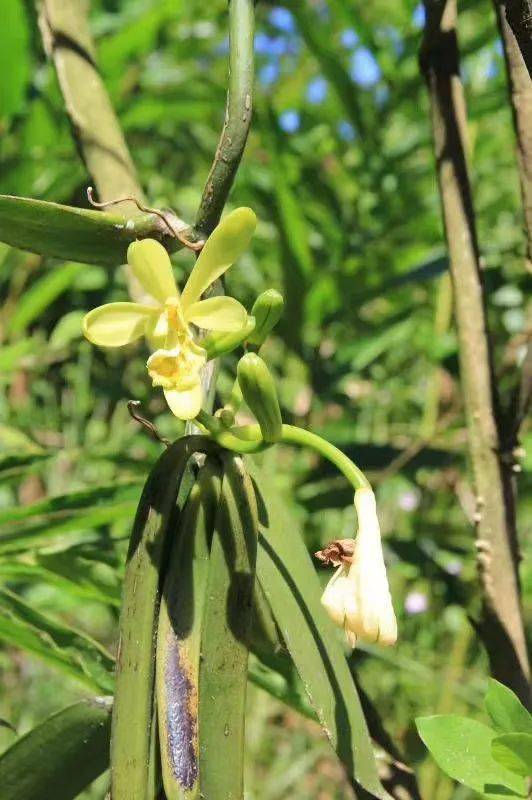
<point>267,311</point>
<point>219,342</point>
<point>258,389</point>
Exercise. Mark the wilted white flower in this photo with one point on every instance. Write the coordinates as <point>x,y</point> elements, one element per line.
<point>357,597</point>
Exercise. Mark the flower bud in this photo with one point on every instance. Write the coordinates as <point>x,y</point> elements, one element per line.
<point>267,311</point>
<point>217,343</point>
<point>259,392</point>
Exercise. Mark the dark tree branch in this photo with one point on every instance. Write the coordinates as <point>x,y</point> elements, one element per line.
<point>520,90</point>
<point>518,14</point>
<point>501,625</point>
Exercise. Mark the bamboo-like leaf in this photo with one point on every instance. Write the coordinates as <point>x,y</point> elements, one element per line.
<point>133,707</point>
<point>291,585</point>
<point>61,756</point>
<point>41,534</point>
<point>57,507</point>
<point>54,642</point>
<point>225,636</point>
<point>179,637</point>
<point>74,234</point>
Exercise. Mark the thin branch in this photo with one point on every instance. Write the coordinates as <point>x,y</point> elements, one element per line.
<point>237,117</point>
<point>501,625</point>
<point>518,14</point>
<point>520,90</point>
<point>67,40</point>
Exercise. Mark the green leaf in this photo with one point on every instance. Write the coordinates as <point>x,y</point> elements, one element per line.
<point>38,534</point>
<point>292,588</point>
<point>462,748</point>
<point>60,645</point>
<point>14,57</point>
<point>148,548</point>
<point>225,636</point>
<point>74,234</point>
<point>63,504</point>
<point>42,294</point>
<point>61,756</point>
<point>514,752</point>
<point>506,711</point>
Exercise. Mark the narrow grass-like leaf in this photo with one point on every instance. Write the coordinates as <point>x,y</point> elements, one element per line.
<point>225,637</point>
<point>39,534</point>
<point>59,644</point>
<point>54,507</point>
<point>179,637</point>
<point>42,294</point>
<point>61,756</point>
<point>74,234</point>
<point>71,575</point>
<point>277,686</point>
<point>291,585</point>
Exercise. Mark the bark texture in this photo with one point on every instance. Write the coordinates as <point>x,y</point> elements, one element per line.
<point>501,626</point>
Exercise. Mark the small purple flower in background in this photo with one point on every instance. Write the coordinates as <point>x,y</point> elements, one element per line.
<point>453,568</point>
<point>349,38</point>
<point>282,19</point>
<point>269,73</point>
<point>499,48</point>
<point>346,131</point>
<point>418,17</point>
<point>416,603</point>
<point>364,68</point>
<point>408,500</point>
<point>317,90</point>
<point>289,121</point>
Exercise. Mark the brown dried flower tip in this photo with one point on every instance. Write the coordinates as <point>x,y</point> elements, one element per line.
<point>339,551</point>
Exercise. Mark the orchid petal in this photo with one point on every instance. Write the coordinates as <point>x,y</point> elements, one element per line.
<point>185,404</point>
<point>116,324</point>
<point>225,244</point>
<point>218,314</point>
<point>151,266</point>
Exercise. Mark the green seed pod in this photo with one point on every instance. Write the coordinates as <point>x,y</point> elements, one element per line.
<point>258,389</point>
<point>219,342</point>
<point>267,311</point>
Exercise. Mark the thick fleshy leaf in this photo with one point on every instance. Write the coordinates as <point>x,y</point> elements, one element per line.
<point>225,244</point>
<point>116,324</point>
<point>185,405</point>
<point>152,267</point>
<point>218,314</point>
<point>61,756</point>
<point>74,234</point>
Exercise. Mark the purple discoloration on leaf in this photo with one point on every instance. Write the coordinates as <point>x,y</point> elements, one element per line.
<point>181,719</point>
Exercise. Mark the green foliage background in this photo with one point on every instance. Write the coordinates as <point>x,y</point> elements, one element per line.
<point>350,231</point>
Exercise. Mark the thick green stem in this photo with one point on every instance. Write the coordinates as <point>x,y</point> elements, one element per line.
<point>248,439</point>
<point>237,117</point>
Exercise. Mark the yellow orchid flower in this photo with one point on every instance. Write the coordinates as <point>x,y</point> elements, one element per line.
<point>166,318</point>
